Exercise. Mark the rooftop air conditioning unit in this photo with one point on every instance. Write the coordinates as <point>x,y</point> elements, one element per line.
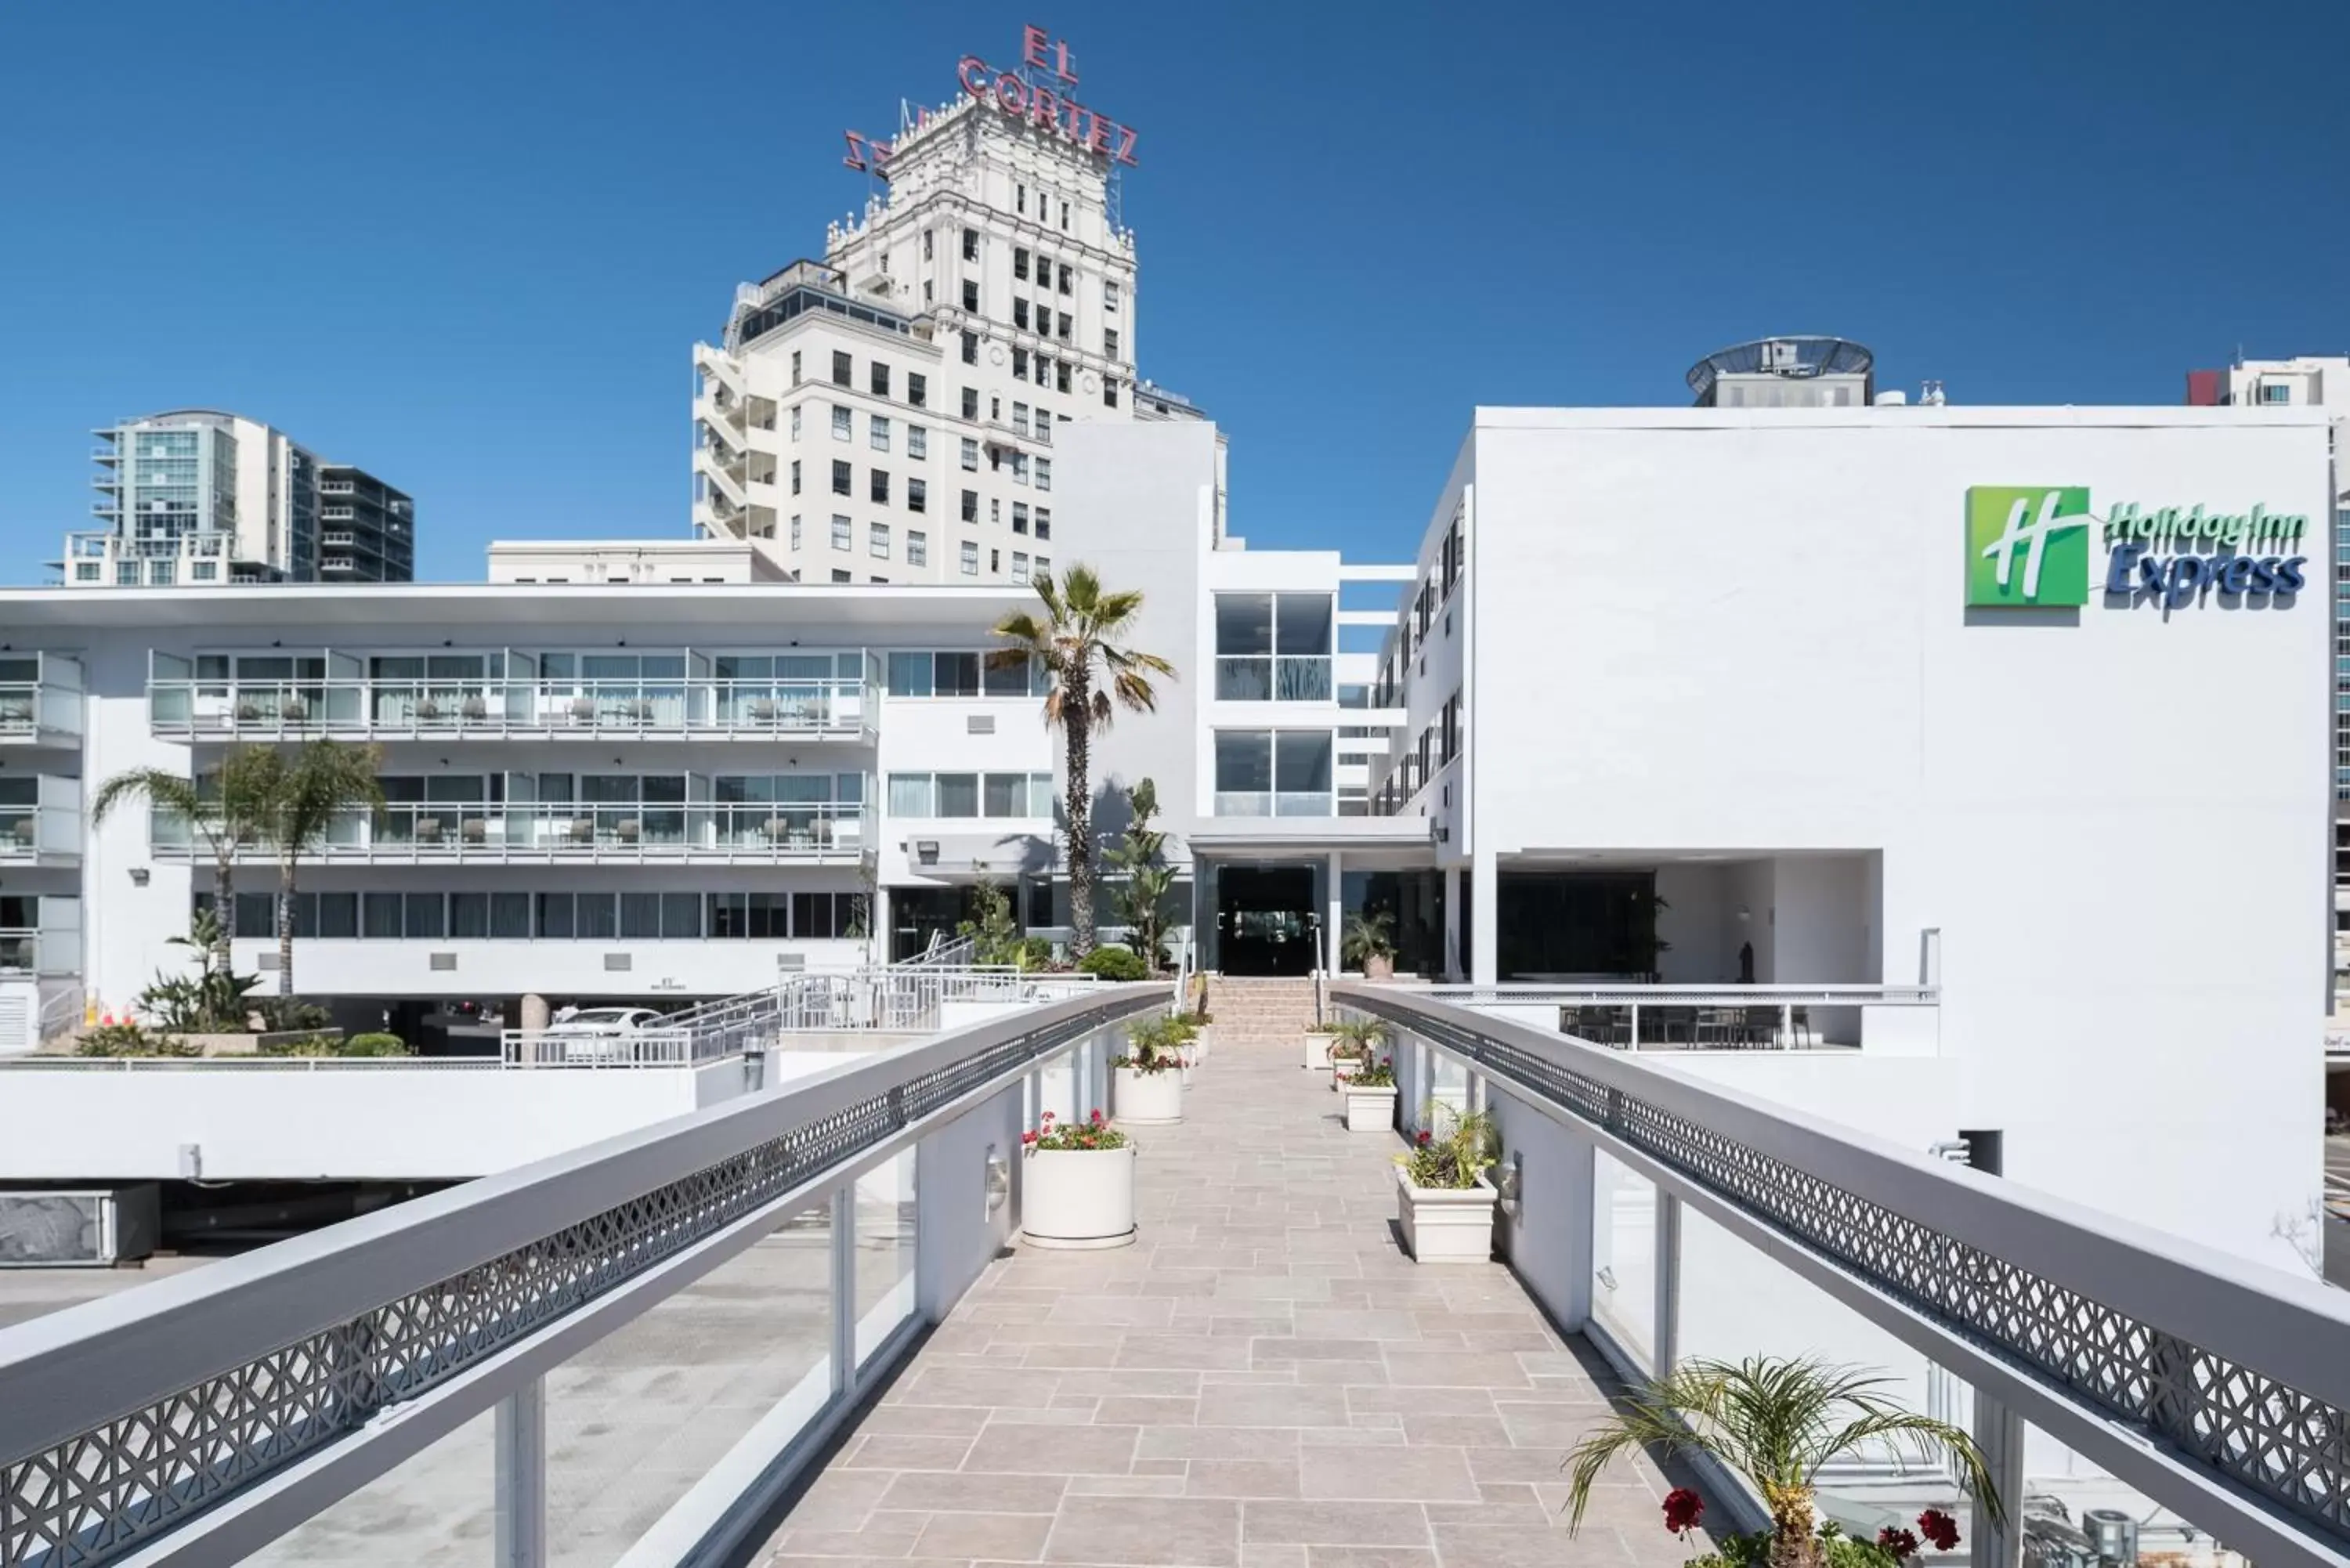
<point>94,1227</point>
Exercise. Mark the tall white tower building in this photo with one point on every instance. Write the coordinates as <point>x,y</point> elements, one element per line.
<point>887,414</point>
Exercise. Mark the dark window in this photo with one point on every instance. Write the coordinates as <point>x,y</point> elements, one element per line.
<point>840,479</point>
<point>971,506</point>
<point>969,349</point>
<point>881,487</point>
<point>918,387</point>
<point>1109,341</point>
<point>841,370</point>
<point>1109,393</point>
<point>1020,264</point>
<point>877,376</point>
<point>971,297</point>
<point>957,675</point>
<point>1061,376</point>
<point>970,244</point>
<point>971,402</point>
<point>918,496</point>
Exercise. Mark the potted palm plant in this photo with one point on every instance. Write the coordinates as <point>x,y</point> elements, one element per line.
<point>1353,1044</point>
<point>1370,1092</point>
<point>1369,942</point>
<point>1443,1200</point>
<point>1146,1082</point>
<point>1077,1185</point>
<point>1776,1423</point>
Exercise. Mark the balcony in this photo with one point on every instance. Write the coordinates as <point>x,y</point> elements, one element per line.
<point>760,833</point>
<point>29,952</point>
<point>361,709</point>
<point>40,700</point>
<point>40,820</point>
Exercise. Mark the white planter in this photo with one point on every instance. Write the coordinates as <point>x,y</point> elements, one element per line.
<point>1370,1110</point>
<point>1077,1198</point>
<point>1343,1068</point>
<point>1198,1048</point>
<point>1446,1225</point>
<point>1318,1050</point>
<point>1146,1099</point>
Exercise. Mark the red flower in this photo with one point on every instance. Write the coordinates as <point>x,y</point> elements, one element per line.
<point>1028,1137</point>
<point>1938,1528</point>
<point>1901,1544</point>
<point>1427,1137</point>
<point>1097,1117</point>
<point>1684,1508</point>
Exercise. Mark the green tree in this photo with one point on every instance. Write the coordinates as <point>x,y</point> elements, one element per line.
<point>994,934</point>
<point>1077,641</point>
<point>224,810</point>
<point>1777,1422</point>
<point>1139,857</point>
<point>317,784</point>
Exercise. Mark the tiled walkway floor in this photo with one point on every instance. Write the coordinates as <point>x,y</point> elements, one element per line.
<point>1262,1381</point>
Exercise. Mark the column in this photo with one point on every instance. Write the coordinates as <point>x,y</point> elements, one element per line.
<point>876,924</point>
<point>1485,963</point>
<point>1453,955</point>
<point>533,1011</point>
<point>1334,918</point>
<point>519,1434</point>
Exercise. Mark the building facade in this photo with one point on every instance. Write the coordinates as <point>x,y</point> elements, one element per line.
<point>891,412</point>
<point>203,498</point>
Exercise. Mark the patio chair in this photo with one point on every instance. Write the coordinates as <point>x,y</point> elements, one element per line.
<point>1671,1025</point>
<point>476,709</point>
<point>1719,1025</point>
<point>1799,1027</point>
<point>474,830</point>
<point>1760,1026</point>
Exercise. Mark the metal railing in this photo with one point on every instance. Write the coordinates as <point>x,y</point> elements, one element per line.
<point>126,1423</point>
<point>449,830</point>
<point>531,706</point>
<point>2218,1387</point>
<point>1630,1016</point>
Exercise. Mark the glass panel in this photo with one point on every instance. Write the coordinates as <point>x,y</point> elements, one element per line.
<point>1243,760</point>
<point>556,918</point>
<point>681,917</point>
<point>339,915</point>
<point>379,914</point>
<point>1006,795</point>
<point>958,795</point>
<point>1305,625</point>
<point>469,914</point>
<point>1007,680</point>
<point>640,916</point>
<point>909,795</point>
<point>958,674</point>
<point>425,915</point>
<point>597,918</point>
<point>1243,680</point>
<point>885,1228</point>
<point>1623,1256</point>
<point>509,915</point>
<point>1244,623</point>
<point>1297,680</point>
<point>1301,761</point>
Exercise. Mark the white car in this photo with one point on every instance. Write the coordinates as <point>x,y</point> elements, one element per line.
<point>601,1034</point>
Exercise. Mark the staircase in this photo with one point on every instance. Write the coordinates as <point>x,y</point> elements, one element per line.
<point>1253,1015</point>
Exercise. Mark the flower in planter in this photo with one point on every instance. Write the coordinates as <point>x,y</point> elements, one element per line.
<point>1899,1544</point>
<point>1095,1133</point>
<point>1938,1528</point>
<point>1154,1045</point>
<point>1457,1160</point>
<point>1683,1510</point>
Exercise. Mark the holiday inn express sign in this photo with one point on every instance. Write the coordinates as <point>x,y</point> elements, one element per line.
<point>2028,547</point>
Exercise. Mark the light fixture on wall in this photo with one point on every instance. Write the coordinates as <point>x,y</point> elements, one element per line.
<point>997,1180</point>
<point>1744,914</point>
<point>139,875</point>
<point>1508,1180</point>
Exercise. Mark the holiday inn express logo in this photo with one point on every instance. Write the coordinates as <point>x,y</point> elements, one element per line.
<point>2028,546</point>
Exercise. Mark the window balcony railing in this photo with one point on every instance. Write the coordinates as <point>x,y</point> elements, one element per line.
<point>25,951</point>
<point>41,835</point>
<point>1266,679</point>
<point>44,707</point>
<point>492,708</point>
<point>546,830</point>
<point>1270,803</point>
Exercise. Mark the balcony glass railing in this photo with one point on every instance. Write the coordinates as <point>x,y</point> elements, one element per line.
<point>493,830</point>
<point>24,950</point>
<point>492,707</point>
<point>1270,803</point>
<point>50,702</point>
<point>1254,679</point>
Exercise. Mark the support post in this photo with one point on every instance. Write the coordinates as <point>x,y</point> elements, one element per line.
<point>1333,952</point>
<point>1666,1353</point>
<point>520,1437</point>
<point>1999,1433</point>
<point>844,1289</point>
<point>1454,968</point>
<point>1484,920</point>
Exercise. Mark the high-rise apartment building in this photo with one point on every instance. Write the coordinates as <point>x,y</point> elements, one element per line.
<point>200,497</point>
<point>887,414</point>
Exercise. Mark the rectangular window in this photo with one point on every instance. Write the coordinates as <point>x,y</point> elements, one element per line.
<point>599,916</point>
<point>918,546</point>
<point>918,496</point>
<point>927,237</point>
<point>839,575</point>
<point>971,454</point>
<point>1020,261</point>
<point>1061,377</point>
<point>878,379</point>
<point>911,794</point>
<point>1043,522</point>
<point>918,443</point>
<point>841,479</point>
<point>1020,313</point>
<point>1044,474</point>
<point>971,304</point>
<point>796,530</point>
<point>1043,565</point>
<point>1069,278</point>
<point>509,916</point>
<point>1110,295</point>
<point>877,543</point>
<point>969,558</point>
<point>879,486</point>
<point>796,476</point>
<point>842,373</point>
<point>876,435</point>
<point>1063,331</point>
<point>910,675</point>
<point>1019,565</point>
<point>958,795</point>
<point>1019,677</point>
<point>1020,418</point>
<point>1005,794</point>
<point>641,917</point>
<point>795,366</point>
<point>1020,364</point>
<point>956,674</point>
<point>971,402</point>
<point>970,348</point>
<point>1019,461</point>
<point>796,421</point>
<point>1109,341</point>
<point>843,427</point>
<point>918,386</point>
<point>1109,393</point>
<point>971,506</point>
<point>839,532</point>
<point>1020,517</point>
<point>425,915</point>
<point>970,244</point>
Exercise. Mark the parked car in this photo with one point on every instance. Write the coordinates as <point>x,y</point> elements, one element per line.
<point>601,1034</point>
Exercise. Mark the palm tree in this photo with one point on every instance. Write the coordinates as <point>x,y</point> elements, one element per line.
<point>1777,1422</point>
<point>316,785</point>
<point>224,809</point>
<point>1093,675</point>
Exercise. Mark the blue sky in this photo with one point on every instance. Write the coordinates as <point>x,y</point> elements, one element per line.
<point>469,245</point>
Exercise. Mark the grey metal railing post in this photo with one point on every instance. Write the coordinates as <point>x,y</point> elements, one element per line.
<point>520,1437</point>
<point>1667,1342</point>
<point>844,1289</point>
<point>1999,1434</point>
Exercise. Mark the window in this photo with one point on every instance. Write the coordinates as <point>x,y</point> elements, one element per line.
<point>969,303</point>
<point>839,575</point>
<point>995,560</point>
<point>2276,391</point>
<point>994,509</point>
<point>1020,257</point>
<point>1019,565</point>
<point>878,379</point>
<point>839,532</point>
<point>1061,377</point>
<point>927,237</point>
<point>86,571</point>
<point>796,421</point>
<point>1109,341</point>
<point>842,373</point>
<point>795,366</point>
<point>878,433</point>
<point>796,530</point>
<point>1020,313</point>
<point>880,485</point>
<point>970,348</point>
<point>1043,565</point>
<point>796,476</point>
<point>1019,461</point>
<point>1043,522</point>
<point>969,558</point>
<point>126,574</point>
<point>1020,418</point>
<point>917,548</point>
<point>918,442</point>
<point>1020,517</point>
<point>971,795</point>
<point>1020,197</point>
<point>1020,364</point>
<point>877,543</point>
<point>1110,295</point>
<point>1274,772</point>
<point>827,916</point>
<point>1069,278</point>
<point>970,244</point>
<point>1109,393</point>
<point>841,478</point>
<point>1044,474</point>
<point>918,496</point>
<point>1064,215</point>
<point>918,386</point>
<point>971,454</point>
<point>1065,328</point>
<point>1274,648</point>
<point>971,506</point>
<point>842,425</point>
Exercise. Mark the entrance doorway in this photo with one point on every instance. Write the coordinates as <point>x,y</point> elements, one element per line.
<point>1265,922</point>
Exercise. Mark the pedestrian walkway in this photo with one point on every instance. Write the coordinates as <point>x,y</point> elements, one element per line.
<point>1262,1381</point>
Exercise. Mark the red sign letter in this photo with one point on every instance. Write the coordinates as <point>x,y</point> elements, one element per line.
<point>972,70</point>
<point>1067,69</point>
<point>1031,48</point>
<point>1097,134</point>
<point>1043,108</point>
<point>1011,95</point>
<point>1126,148</point>
<point>856,158</point>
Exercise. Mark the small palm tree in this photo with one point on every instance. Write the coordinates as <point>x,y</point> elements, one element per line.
<point>1094,675</point>
<point>224,809</point>
<point>1777,1422</point>
<point>310,789</point>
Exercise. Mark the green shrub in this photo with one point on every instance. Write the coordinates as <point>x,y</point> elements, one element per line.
<point>375,1044</point>
<point>1035,953</point>
<point>129,1040</point>
<point>1114,964</point>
